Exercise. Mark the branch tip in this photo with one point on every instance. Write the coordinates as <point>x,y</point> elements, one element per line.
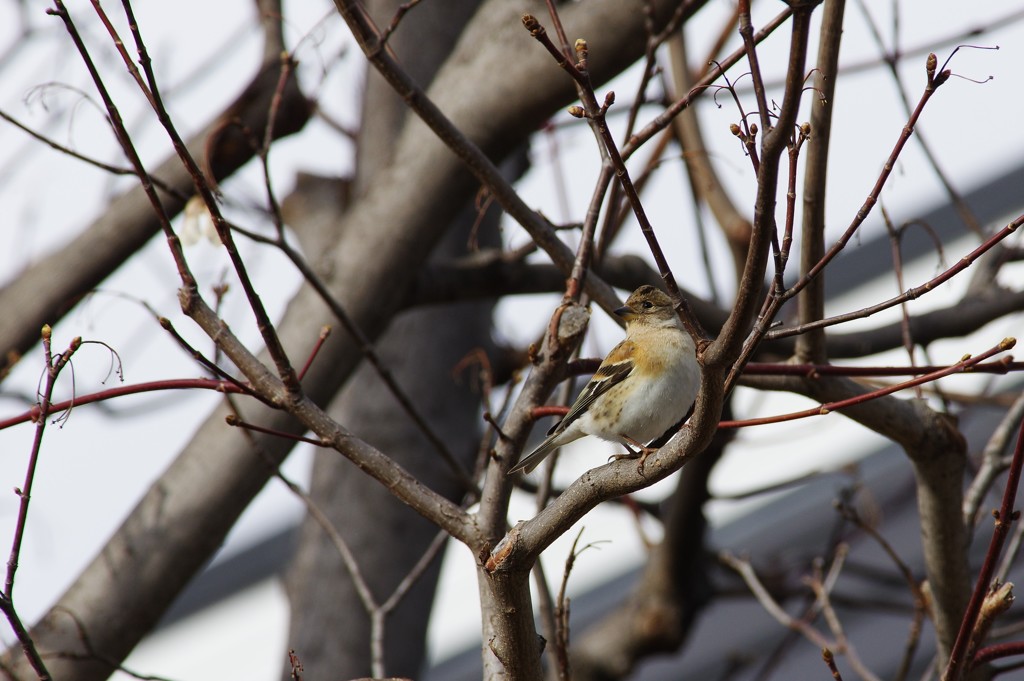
<point>581,49</point>
<point>532,25</point>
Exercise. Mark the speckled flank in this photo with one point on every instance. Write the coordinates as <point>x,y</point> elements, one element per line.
<point>645,385</point>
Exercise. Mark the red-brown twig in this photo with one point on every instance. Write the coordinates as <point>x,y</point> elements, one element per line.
<point>664,119</point>
<point>934,81</point>
<point>917,593</point>
<point>324,333</point>
<point>891,59</point>
<point>596,113</point>
<point>234,421</point>
<point>287,66</point>
<point>958,665</point>
<point>802,135</point>
<point>747,33</point>
<point>295,664</point>
<point>54,365</point>
<point>125,141</point>
<point>830,662</point>
<point>736,343</point>
<point>199,357</point>
<point>397,19</point>
<point>997,651</point>
<point>911,294</point>
<point>584,253</point>
<point>928,373</point>
<point>829,407</point>
<point>205,189</point>
<point>33,414</point>
<point>1002,366</point>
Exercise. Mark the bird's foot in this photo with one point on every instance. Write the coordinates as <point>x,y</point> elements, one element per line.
<point>641,454</point>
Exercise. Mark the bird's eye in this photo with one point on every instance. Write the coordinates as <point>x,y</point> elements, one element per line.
<point>647,305</point>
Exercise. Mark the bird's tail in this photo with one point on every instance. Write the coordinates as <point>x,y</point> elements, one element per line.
<point>527,464</point>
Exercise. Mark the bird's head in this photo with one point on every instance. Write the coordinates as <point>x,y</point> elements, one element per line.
<point>649,306</point>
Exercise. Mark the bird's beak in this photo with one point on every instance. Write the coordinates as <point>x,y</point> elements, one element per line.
<point>626,312</point>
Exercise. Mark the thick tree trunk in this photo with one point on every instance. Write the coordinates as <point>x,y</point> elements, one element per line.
<point>331,627</point>
<point>390,228</point>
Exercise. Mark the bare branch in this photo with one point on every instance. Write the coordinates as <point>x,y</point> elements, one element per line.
<point>812,299</point>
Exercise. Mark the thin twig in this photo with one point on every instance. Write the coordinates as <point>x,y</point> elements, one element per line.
<point>891,60</point>
<point>125,141</point>
<point>992,463</point>
<point>770,605</point>
<point>34,413</point>
<point>295,665</point>
<point>93,655</point>
<point>54,365</point>
<point>916,592</point>
<point>822,588</point>
<point>266,328</point>
<point>760,332</point>
<point>911,294</point>
<point>934,81</point>
<point>367,349</point>
<point>476,160</point>
<point>829,407</point>
<point>377,612</point>
<point>735,345</point>
<point>378,616</point>
<point>811,304</point>
<point>1002,367</point>
<point>68,151</point>
<point>397,19</point>
<point>236,422</point>
<point>958,664</point>
<point>746,30</point>
<point>324,333</point>
<point>595,113</point>
<point>895,242</point>
<point>199,357</point>
<point>830,662</point>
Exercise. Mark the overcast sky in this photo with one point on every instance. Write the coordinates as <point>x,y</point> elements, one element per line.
<point>97,463</point>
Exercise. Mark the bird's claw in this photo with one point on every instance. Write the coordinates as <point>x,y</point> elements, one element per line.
<point>640,455</point>
<point>644,453</point>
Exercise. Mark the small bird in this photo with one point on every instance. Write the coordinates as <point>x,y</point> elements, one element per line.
<point>645,385</point>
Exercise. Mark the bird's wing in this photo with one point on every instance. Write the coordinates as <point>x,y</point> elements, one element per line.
<point>613,370</point>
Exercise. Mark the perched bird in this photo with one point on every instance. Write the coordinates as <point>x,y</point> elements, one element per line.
<point>645,385</point>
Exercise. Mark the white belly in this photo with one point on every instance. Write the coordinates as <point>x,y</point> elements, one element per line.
<point>653,408</point>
